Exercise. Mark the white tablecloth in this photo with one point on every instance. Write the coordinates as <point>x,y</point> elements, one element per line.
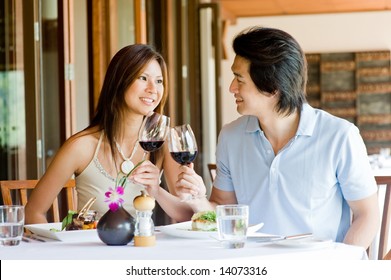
<point>382,171</point>
<point>173,248</point>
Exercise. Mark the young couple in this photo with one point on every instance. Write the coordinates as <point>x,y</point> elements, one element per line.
<point>298,168</point>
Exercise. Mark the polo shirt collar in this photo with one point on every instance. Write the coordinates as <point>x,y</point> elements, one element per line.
<point>252,124</point>
<point>307,120</point>
<point>306,124</point>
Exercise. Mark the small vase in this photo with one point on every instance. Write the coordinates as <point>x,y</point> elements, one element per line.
<point>116,227</point>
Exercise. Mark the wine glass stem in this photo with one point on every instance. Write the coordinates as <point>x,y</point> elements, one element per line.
<point>189,196</point>
<point>145,155</point>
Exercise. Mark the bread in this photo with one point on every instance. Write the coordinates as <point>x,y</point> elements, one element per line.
<point>204,221</point>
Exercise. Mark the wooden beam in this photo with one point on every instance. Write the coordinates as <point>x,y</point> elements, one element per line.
<point>255,8</point>
<point>140,21</point>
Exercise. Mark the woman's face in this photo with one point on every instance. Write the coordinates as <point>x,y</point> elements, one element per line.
<point>147,90</point>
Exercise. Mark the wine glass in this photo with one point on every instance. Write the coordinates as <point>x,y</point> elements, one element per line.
<point>153,132</point>
<point>183,146</point>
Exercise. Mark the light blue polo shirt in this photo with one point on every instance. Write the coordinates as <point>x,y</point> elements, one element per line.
<point>304,187</point>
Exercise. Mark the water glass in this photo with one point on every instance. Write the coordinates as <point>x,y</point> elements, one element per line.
<point>11,224</point>
<point>232,223</point>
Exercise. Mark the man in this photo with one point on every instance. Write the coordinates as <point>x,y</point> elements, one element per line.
<point>299,169</point>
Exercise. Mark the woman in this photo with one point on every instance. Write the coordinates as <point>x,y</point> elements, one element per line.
<point>133,86</point>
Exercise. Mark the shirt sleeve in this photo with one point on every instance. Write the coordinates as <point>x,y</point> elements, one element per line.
<point>354,171</point>
<point>223,180</point>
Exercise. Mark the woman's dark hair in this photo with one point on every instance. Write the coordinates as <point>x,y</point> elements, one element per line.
<point>277,64</point>
<point>124,68</point>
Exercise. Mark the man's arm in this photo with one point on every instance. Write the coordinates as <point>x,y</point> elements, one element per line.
<point>217,197</point>
<point>365,223</point>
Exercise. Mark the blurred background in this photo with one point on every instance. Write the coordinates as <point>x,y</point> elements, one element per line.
<point>54,54</point>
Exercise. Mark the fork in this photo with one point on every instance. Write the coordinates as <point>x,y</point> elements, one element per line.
<point>28,236</point>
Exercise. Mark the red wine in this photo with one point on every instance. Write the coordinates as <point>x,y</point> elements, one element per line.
<point>184,157</point>
<point>151,146</point>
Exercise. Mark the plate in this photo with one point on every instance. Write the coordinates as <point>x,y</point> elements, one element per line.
<point>310,242</point>
<point>184,230</point>
<point>65,236</point>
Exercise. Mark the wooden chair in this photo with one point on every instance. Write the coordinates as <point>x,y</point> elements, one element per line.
<point>386,216</point>
<point>212,170</point>
<point>20,189</point>
<point>387,256</point>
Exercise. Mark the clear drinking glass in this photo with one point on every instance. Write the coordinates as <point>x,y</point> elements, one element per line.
<point>11,224</point>
<point>232,224</point>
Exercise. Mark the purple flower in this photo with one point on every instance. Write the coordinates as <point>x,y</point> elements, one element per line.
<point>114,197</point>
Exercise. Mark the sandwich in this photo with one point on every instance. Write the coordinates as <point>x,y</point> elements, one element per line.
<point>204,221</point>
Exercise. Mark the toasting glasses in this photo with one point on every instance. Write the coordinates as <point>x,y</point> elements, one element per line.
<point>153,132</point>
<point>183,146</point>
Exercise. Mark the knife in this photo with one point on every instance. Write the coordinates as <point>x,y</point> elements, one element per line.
<point>272,238</point>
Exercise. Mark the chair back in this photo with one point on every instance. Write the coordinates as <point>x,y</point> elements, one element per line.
<point>20,189</point>
<point>212,170</point>
<point>385,216</point>
<point>387,256</point>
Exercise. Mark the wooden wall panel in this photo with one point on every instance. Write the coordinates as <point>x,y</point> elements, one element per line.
<point>355,86</point>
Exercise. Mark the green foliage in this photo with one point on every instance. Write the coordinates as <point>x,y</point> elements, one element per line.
<point>68,219</point>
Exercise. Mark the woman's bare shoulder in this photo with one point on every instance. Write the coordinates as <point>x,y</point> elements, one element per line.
<point>78,150</point>
<point>84,137</point>
<point>73,156</point>
<point>82,142</point>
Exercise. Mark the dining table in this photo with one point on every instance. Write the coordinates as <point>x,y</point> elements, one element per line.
<point>182,257</point>
<point>170,247</point>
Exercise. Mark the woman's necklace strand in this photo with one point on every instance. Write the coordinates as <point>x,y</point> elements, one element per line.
<point>127,165</point>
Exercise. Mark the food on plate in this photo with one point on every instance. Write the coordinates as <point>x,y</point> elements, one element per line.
<point>84,219</point>
<point>204,221</point>
<point>75,221</point>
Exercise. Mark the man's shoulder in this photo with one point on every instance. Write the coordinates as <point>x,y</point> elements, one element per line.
<point>329,119</point>
<point>239,124</point>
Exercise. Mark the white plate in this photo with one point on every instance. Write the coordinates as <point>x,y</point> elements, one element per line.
<point>184,230</point>
<point>309,242</point>
<point>65,236</point>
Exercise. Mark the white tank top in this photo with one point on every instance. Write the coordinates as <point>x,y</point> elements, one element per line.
<point>94,181</point>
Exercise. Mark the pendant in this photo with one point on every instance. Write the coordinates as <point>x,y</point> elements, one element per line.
<point>127,166</point>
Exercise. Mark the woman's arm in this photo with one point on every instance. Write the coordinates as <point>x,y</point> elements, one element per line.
<point>72,158</point>
<point>181,180</point>
<point>185,180</point>
<point>149,175</point>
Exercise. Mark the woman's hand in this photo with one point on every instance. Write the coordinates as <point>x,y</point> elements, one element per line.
<point>148,175</point>
<point>189,182</point>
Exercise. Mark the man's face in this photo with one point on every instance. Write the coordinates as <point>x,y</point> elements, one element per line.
<point>249,100</point>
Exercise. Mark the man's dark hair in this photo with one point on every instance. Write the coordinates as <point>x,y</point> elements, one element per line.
<point>277,65</point>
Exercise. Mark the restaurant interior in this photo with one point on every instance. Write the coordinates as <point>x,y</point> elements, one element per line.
<point>54,54</point>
